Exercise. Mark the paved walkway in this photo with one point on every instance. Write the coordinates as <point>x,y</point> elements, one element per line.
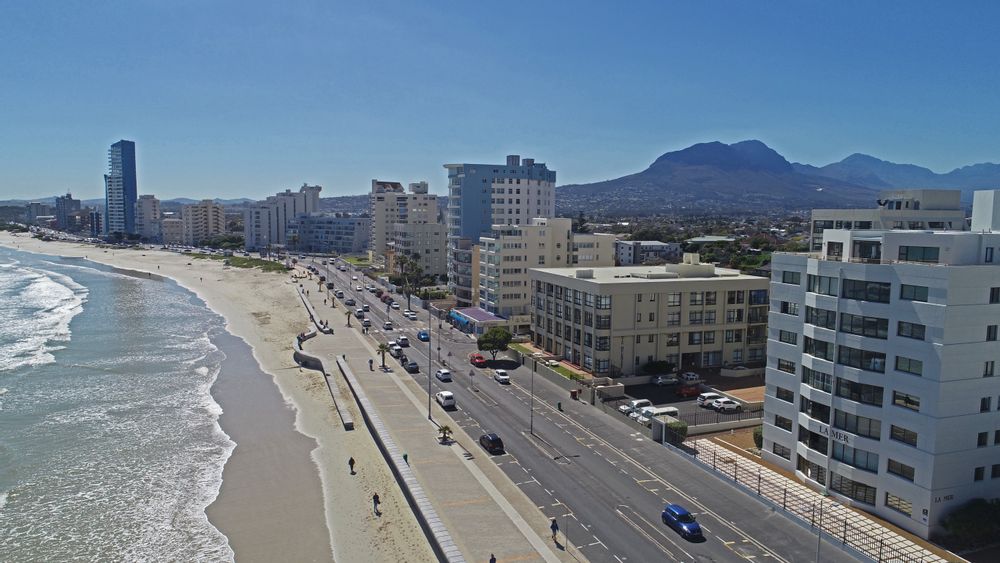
<point>484,512</point>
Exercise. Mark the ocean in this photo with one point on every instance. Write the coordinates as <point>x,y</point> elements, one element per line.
<point>110,447</point>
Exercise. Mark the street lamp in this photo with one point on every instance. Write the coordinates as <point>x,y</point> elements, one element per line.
<point>531,416</point>
<point>429,366</point>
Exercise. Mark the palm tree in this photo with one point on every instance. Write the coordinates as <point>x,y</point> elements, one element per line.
<point>348,313</point>
<point>382,349</point>
<point>445,431</point>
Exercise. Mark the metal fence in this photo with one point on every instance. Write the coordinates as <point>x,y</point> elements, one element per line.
<point>712,417</point>
<point>837,523</point>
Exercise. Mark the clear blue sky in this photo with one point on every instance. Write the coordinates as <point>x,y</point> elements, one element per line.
<point>245,98</point>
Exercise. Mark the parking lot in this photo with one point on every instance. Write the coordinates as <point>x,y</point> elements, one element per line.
<point>689,410</point>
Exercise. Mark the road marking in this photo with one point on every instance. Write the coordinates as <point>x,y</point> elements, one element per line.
<point>636,527</point>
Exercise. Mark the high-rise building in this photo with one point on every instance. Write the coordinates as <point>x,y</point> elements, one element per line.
<point>265,223</point>
<point>389,205</point>
<point>881,379</point>
<point>120,189</point>
<point>328,233</point>
<point>203,220</point>
<point>66,207</point>
<point>483,195</point>
<point>171,229</point>
<point>147,217</point>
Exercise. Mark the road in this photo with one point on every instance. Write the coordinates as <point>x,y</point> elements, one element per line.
<point>604,481</point>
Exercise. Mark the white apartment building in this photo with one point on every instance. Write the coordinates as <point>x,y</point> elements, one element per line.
<point>203,220</point>
<point>171,229</point>
<point>637,252</point>
<point>389,204</point>
<point>882,385</point>
<point>613,321</point>
<point>934,210</point>
<point>265,223</point>
<point>147,217</point>
<point>506,256</point>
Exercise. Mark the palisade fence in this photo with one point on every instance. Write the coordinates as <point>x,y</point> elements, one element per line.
<point>711,417</point>
<point>835,522</point>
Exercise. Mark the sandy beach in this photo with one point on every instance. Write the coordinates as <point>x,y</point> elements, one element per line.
<point>286,492</point>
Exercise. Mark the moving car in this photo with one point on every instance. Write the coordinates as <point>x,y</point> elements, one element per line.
<point>412,367</point>
<point>647,414</point>
<point>387,325</point>
<point>339,293</point>
<point>366,308</point>
<point>690,376</point>
<point>358,288</point>
<point>443,374</point>
<point>359,313</point>
<point>705,399</point>
<point>403,341</point>
<point>478,360</point>
<point>634,405</point>
<point>350,302</point>
<point>411,315</point>
<point>501,377</point>
<point>678,518</point>
<point>395,351</point>
<point>726,404</point>
<point>491,443</point>
<point>354,278</point>
<point>423,336</point>
<point>661,380</point>
<point>367,323</point>
<point>407,311</point>
<point>395,305</point>
<point>446,399</point>
<point>688,391</point>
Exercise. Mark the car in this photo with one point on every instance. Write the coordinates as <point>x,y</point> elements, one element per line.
<point>367,323</point>
<point>411,367</point>
<point>407,312</point>
<point>647,414</point>
<point>688,391</point>
<point>339,293</point>
<point>358,288</point>
<point>411,316</point>
<point>350,302</point>
<point>690,376</point>
<point>366,308</point>
<point>739,368</point>
<point>329,285</point>
<point>443,375</point>
<point>678,518</point>
<point>387,325</point>
<point>354,278</point>
<point>552,363</point>
<point>423,336</point>
<point>446,399</point>
<point>705,399</point>
<point>478,360</point>
<point>661,380</point>
<point>634,405</point>
<point>403,341</point>
<point>359,313</point>
<point>726,405</point>
<point>395,351</point>
<point>501,377</point>
<point>491,443</point>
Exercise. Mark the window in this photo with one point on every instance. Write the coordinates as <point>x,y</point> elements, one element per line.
<point>734,335</point>
<point>811,470</point>
<point>996,438</point>
<point>860,392</point>
<point>854,457</point>
<point>651,339</point>
<point>710,317</point>
<point>638,339</point>
<point>989,255</point>
<point>782,422</point>
<point>985,404</point>
<point>791,277</point>
<point>710,298</point>
<point>861,359</point>
<point>694,338</point>
<point>735,297</point>
<point>673,319</point>
<point>911,330</point>
<point>758,297</point>
<point>994,295</point>
<point>638,298</point>
<point>708,337</point>
<point>821,317</point>
<point>982,439</point>
<point>900,434</point>
<point>822,284</point>
<point>898,504</point>
<point>786,366</point>
<point>788,337</point>
<point>906,401</point>
<point>603,302</point>
<point>789,308</point>
<point>913,293</point>
<point>603,343</point>
<point>979,473</point>
<point>694,317</point>
<point>991,333</point>
<point>734,315</point>
<point>900,469</point>
<point>921,254</point>
<point>782,451</point>
<point>857,491</point>
<point>673,300</point>
<point>860,425</point>
<point>876,292</point>
<point>988,369</point>
<point>652,317</point>
<point>697,298</point>
<point>784,394</point>
<point>909,365</point>
<point>815,410</point>
<point>818,348</point>
<point>602,366</point>
<point>817,379</point>
<point>873,327</point>
<point>603,321</point>
<point>673,339</point>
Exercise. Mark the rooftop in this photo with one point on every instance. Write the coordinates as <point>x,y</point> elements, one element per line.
<point>646,274</point>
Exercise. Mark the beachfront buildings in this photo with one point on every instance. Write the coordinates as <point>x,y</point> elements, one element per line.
<point>328,233</point>
<point>483,195</point>
<point>120,190</point>
<point>406,223</point>
<point>171,229</point>
<point>613,321</point>
<point>638,252</point>
<point>147,217</point>
<point>933,210</point>
<point>506,255</point>
<point>424,243</point>
<point>882,384</point>
<point>67,213</point>
<point>265,222</point>
<point>202,221</point>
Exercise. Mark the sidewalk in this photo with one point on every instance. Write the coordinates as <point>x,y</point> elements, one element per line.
<point>484,512</point>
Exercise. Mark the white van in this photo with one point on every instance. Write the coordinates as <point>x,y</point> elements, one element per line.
<point>446,399</point>
<point>647,414</point>
<point>634,405</point>
<point>395,351</point>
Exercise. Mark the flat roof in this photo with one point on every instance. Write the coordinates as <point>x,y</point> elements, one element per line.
<point>478,315</point>
<point>650,274</point>
<point>711,238</point>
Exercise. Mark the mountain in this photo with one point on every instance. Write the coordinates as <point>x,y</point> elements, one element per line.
<point>714,177</point>
<point>873,172</point>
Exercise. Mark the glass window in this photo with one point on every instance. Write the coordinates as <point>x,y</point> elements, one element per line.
<point>786,366</point>
<point>873,327</point>
<point>825,285</point>
<point>815,410</point>
<point>818,348</point>
<point>995,295</point>
<point>603,302</point>
<point>710,298</point>
<point>789,308</point>
<point>913,292</point>
<point>695,317</point>
<point>991,333</point>
<point>911,330</point>
<point>861,359</point>
<point>876,292</point>
<point>697,298</point>
<point>782,451</point>
<point>900,469</point>
<point>694,338</point>
<point>852,489</point>
<point>855,457</point>
<point>909,365</point>
<point>817,379</point>
<point>982,439</point>
<point>903,435</point>
<point>821,317</point>
<point>860,392</point>
<point>979,474</point>
<point>788,337</point>
<point>708,337</point>
<point>860,425</point>
<point>906,401</point>
<point>985,404</point>
<point>813,441</point>
<point>898,504</point>
<point>782,422</point>
<point>919,254</point>
<point>673,300</point>
<point>784,394</point>
<point>673,319</point>
<point>735,297</point>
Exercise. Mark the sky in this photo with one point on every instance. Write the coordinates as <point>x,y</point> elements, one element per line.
<point>243,98</point>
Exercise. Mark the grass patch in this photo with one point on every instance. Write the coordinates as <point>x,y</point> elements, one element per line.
<point>571,375</point>
<point>357,261</point>
<point>521,348</point>
<point>244,262</point>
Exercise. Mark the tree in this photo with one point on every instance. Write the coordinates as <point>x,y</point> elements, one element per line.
<point>445,431</point>
<point>382,349</point>
<point>758,436</point>
<point>975,523</point>
<point>494,340</point>
<point>348,313</point>
<point>580,224</point>
<point>410,271</point>
<point>677,431</point>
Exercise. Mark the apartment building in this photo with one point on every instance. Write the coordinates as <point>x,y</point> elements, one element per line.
<point>202,221</point>
<point>120,189</point>
<point>506,256</point>
<point>67,212</point>
<point>425,243</point>
<point>638,252</point>
<point>171,229</point>
<point>483,195</point>
<point>390,204</point>
<point>147,217</point>
<point>328,233</point>
<point>881,372</point>
<point>613,321</point>
<point>935,210</point>
<point>265,222</point>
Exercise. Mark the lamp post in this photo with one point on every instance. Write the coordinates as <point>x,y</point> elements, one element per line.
<point>531,416</point>
<point>429,366</point>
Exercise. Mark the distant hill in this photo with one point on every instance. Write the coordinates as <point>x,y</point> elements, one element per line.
<point>714,177</point>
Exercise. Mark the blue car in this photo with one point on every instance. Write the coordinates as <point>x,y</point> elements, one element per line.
<point>678,518</point>
<point>423,336</point>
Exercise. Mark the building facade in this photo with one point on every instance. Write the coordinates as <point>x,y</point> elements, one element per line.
<point>171,229</point>
<point>265,222</point>
<point>147,217</point>
<point>881,385</point>
<point>67,213</point>
<point>426,243</point>
<point>613,321</point>
<point>638,252</point>
<point>934,210</point>
<point>483,195</point>
<point>389,204</point>
<point>120,189</point>
<point>506,256</point>
<point>202,221</point>
<point>328,233</point>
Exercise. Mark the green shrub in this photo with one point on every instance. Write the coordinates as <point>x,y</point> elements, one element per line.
<point>975,523</point>
<point>758,436</point>
<point>677,431</point>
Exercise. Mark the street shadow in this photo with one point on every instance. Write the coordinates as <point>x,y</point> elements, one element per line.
<point>504,363</point>
<point>560,546</point>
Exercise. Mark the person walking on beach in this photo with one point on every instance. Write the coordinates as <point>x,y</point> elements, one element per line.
<point>375,503</point>
<point>555,529</point>
<point>350,463</point>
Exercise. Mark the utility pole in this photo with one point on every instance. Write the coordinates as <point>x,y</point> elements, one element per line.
<point>531,416</point>
<point>429,366</point>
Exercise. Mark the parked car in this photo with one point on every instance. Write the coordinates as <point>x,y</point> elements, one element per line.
<point>395,351</point>
<point>634,405</point>
<point>395,305</point>
<point>358,288</point>
<point>491,443</point>
<point>403,341</point>
<point>354,278</point>
<point>443,375</point>
<point>407,311</point>
<point>688,391</point>
<point>446,399</point>
<point>411,315</point>
<point>661,380</point>
<point>705,399</point>
<point>726,405</point>
<point>412,367</point>
<point>690,376</point>
<point>478,360</point>
<point>647,414</point>
<point>501,377</point>
<point>329,285</point>
<point>339,294</point>
<point>387,325</point>
<point>367,323</point>
<point>678,518</point>
<point>359,313</point>
<point>366,308</point>
<point>423,336</point>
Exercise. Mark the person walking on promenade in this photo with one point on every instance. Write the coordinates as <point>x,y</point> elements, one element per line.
<point>350,463</point>
<point>555,529</point>
<point>375,503</point>
<point>371,364</point>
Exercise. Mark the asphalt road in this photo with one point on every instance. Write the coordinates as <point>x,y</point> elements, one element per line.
<point>600,477</point>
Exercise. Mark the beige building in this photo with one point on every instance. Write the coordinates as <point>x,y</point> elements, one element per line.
<point>147,217</point>
<point>203,220</point>
<point>390,204</point>
<point>504,260</point>
<point>265,223</point>
<point>426,243</point>
<point>613,321</point>
<point>172,230</point>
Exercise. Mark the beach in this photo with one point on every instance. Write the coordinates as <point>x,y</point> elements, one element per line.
<point>286,492</point>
